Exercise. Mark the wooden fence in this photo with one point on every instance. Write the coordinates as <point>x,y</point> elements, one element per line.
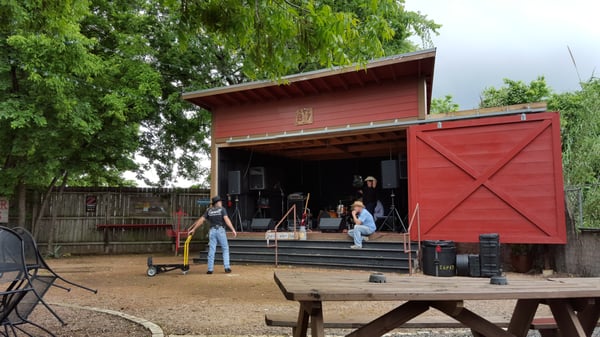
<point>114,220</point>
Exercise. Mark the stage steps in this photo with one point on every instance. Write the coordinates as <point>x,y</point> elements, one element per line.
<point>376,256</point>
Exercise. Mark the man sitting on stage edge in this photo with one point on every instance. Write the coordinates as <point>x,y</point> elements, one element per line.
<point>364,224</point>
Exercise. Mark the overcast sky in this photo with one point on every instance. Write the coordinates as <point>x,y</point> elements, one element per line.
<point>482,42</point>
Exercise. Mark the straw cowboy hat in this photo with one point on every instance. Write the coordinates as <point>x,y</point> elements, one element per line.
<point>370,178</point>
<point>358,203</point>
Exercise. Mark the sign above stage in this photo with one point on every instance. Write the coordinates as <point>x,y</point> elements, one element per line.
<point>304,116</point>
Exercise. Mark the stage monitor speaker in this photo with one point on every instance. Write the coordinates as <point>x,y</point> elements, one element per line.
<point>234,183</point>
<point>330,224</point>
<point>257,178</point>
<point>389,174</point>
<point>261,224</point>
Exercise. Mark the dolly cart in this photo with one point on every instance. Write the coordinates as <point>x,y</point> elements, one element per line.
<point>154,269</point>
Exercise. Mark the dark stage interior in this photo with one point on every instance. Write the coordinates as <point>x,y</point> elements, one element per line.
<point>267,181</point>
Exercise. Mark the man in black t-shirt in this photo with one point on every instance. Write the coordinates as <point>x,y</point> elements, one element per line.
<point>370,194</point>
<point>218,218</point>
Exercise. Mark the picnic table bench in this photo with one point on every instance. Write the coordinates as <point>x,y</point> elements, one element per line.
<point>574,302</point>
<point>545,325</point>
<point>144,225</point>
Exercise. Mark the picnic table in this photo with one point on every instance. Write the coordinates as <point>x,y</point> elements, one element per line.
<point>574,302</point>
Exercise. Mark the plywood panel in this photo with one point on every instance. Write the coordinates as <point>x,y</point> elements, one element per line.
<point>499,174</point>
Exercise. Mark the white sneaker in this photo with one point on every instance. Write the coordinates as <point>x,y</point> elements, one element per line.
<point>355,247</point>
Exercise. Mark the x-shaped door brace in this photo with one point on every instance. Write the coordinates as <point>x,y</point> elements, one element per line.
<point>483,178</point>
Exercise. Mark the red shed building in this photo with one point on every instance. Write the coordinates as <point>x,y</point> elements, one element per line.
<point>318,132</point>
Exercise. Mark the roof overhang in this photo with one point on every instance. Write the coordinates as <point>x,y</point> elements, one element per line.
<point>419,64</point>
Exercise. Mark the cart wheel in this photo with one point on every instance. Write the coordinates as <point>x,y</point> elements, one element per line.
<point>151,271</point>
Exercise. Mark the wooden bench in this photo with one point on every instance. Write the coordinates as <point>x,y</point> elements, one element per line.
<point>288,320</point>
<point>145,225</point>
<point>545,325</point>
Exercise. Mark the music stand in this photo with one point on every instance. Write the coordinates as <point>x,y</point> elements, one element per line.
<point>393,215</point>
<point>237,218</point>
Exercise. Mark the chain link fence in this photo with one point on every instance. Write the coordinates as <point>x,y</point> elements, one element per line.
<point>583,205</point>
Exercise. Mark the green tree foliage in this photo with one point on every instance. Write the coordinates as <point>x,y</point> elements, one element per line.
<point>279,37</point>
<point>173,135</point>
<point>580,123</point>
<point>86,85</point>
<point>445,104</point>
<point>515,92</point>
<point>62,107</point>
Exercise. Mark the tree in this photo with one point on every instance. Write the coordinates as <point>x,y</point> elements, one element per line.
<point>441,105</point>
<point>279,37</point>
<point>515,92</point>
<point>580,124</point>
<point>87,85</point>
<point>66,110</point>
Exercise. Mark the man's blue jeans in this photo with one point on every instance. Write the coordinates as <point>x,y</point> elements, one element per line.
<point>217,235</point>
<point>358,232</point>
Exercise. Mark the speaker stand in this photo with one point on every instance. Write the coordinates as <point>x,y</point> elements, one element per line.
<point>393,215</point>
<point>237,218</point>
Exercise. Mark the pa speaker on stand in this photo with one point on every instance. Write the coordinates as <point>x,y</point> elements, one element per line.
<point>234,183</point>
<point>389,180</point>
<point>256,178</point>
<point>389,174</point>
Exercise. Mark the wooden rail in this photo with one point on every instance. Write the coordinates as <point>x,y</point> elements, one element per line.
<point>283,218</point>
<point>405,236</point>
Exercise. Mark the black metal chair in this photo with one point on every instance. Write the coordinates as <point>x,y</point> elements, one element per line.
<point>35,279</point>
<point>16,284</point>
<point>36,263</point>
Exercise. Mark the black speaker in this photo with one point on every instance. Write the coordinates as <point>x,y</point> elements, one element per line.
<point>234,183</point>
<point>389,174</point>
<point>256,178</point>
<point>330,224</point>
<point>261,224</point>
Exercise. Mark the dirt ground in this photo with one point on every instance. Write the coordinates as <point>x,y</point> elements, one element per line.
<point>192,304</point>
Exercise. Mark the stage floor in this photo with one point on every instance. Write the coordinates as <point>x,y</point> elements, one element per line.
<point>330,236</point>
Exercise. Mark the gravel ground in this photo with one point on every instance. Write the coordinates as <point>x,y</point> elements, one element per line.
<point>197,304</point>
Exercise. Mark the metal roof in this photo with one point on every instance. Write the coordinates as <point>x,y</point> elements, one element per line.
<point>420,63</point>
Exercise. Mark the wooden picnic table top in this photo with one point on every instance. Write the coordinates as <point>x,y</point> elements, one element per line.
<point>352,286</point>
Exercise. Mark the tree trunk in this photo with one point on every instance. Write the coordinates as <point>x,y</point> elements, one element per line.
<point>22,201</point>
<point>52,227</point>
<point>46,197</point>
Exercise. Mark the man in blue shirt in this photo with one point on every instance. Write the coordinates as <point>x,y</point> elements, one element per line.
<point>364,224</point>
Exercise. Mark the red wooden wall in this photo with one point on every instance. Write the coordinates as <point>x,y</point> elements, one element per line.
<point>388,101</point>
<point>488,175</point>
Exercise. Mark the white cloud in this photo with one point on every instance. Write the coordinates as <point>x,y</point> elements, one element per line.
<point>482,42</point>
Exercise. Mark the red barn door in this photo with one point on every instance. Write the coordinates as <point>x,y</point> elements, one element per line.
<point>488,175</point>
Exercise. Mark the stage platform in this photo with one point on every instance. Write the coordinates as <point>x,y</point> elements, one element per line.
<point>382,236</point>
